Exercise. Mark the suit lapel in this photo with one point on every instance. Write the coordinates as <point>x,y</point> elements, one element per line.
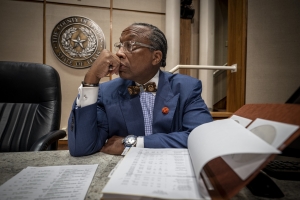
<point>164,98</point>
<point>132,111</point>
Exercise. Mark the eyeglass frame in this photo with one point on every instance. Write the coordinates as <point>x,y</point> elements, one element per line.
<point>132,43</point>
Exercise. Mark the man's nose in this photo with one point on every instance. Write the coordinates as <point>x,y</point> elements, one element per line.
<point>120,53</point>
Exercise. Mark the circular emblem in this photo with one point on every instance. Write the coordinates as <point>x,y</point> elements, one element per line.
<point>77,41</point>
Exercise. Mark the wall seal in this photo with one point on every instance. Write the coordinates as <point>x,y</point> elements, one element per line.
<point>77,41</point>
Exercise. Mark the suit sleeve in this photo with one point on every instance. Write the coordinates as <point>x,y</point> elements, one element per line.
<point>192,113</point>
<point>87,129</point>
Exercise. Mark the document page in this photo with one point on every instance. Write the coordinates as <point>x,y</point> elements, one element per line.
<point>223,137</point>
<point>52,182</point>
<point>274,133</point>
<point>156,173</point>
<point>241,120</point>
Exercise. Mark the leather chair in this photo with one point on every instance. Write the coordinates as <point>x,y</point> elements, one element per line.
<point>30,107</point>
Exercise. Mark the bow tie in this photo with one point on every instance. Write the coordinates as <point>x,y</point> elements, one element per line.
<point>148,87</point>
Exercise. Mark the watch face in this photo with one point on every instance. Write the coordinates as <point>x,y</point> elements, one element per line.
<point>130,140</point>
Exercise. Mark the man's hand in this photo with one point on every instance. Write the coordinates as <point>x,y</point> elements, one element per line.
<point>113,146</point>
<point>106,63</point>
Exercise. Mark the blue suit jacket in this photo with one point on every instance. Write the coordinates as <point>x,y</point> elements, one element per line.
<point>118,113</point>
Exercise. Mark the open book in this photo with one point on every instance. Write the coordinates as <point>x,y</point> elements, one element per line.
<point>178,173</point>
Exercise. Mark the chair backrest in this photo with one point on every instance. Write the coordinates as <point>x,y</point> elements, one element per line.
<point>30,104</point>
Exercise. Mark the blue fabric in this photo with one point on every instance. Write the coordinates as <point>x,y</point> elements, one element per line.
<point>118,113</point>
<point>147,103</point>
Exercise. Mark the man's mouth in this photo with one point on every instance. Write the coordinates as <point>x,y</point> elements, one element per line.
<point>122,66</point>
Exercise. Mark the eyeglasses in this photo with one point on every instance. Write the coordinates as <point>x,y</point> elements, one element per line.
<point>129,46</point>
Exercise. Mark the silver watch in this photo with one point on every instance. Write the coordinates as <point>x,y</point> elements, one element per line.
<point>130,140</point>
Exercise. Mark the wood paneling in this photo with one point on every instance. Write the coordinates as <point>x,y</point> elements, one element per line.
<point>220,115</point>
<point>62,145</point>
<point>185,45</point>
<point>237,35</point>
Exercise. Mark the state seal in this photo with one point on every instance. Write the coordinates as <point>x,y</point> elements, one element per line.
<point>77,41</point>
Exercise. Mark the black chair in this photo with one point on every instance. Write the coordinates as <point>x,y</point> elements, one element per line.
<point>30,107</point>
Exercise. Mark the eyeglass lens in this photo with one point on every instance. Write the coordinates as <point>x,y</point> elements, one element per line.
<point>127,47</point>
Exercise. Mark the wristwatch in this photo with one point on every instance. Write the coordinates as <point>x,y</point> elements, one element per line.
<point>130,141</point>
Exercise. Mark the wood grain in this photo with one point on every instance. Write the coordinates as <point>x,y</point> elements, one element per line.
<point>185,45</point>
<point>237,37</point>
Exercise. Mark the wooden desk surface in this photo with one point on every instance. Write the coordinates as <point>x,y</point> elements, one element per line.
<point>13,163</point>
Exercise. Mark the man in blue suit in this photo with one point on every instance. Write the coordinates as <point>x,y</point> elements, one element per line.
<point>130,110</point>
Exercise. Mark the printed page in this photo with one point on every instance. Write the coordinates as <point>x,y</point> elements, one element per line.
<point>223,137</point>
<point>156,173</point>
<point>241,120</point>
<point>52,182</point>
<point>274,133</point>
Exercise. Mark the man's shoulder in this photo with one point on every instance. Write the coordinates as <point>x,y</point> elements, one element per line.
<point>180,78</point>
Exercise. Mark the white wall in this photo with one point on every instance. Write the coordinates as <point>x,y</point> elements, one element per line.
<point>22,32</point>
<point>273,50</point>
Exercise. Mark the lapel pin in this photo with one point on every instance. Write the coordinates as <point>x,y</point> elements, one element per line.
<point>165,110</point>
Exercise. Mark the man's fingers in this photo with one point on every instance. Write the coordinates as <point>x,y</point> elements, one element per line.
<point>113,63</point>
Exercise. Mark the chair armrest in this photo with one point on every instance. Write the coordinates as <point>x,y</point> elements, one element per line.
<point>44,142</point>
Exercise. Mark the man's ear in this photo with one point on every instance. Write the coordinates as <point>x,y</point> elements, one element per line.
<point>157,56</point>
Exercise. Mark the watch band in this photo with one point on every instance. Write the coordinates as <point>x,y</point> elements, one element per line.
<point>89,85</point>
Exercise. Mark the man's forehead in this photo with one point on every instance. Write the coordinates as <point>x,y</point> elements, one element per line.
<point>135,31</point>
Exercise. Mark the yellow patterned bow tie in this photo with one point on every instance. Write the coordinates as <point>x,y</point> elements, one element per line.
<point>148,87</point>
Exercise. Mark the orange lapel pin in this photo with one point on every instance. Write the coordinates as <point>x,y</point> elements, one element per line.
<point>165,110</point>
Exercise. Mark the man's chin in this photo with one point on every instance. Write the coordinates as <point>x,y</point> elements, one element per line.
<point>124,75</point>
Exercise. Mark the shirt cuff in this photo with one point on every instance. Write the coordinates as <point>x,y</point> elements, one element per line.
<point>140,142</point>
<point>86,96</point>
